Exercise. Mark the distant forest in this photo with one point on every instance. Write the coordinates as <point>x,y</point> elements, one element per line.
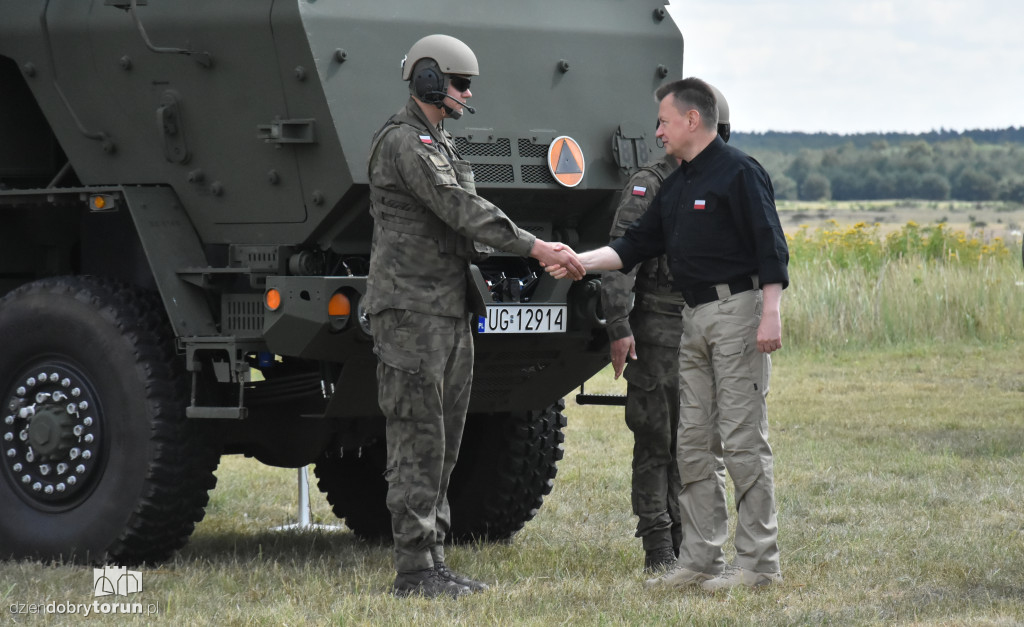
<point>940,165</point>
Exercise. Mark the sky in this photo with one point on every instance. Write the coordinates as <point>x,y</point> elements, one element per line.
<point>849,66</point>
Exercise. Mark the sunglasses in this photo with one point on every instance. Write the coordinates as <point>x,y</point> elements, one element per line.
<point>460,83</point>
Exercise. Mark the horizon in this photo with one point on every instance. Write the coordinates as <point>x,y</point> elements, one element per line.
<point>909,133</point>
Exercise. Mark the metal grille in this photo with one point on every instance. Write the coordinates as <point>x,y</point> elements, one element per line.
<point>530,149</point>
<point>493,173</point>
<point>242,315</point>
<point>256,257</point>
<point>537,174</point>
<point>500,148</point>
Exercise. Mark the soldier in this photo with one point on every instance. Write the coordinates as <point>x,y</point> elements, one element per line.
<point>649,335</point>
<point>419,297</point>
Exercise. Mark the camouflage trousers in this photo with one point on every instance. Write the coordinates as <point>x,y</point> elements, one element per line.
<point>723,381</point>
<point>424,374</point>
<point>652,414</point>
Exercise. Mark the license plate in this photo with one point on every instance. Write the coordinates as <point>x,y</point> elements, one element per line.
<point>523,319</point>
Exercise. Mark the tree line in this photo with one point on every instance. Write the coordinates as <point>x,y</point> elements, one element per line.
<point>940,165</point>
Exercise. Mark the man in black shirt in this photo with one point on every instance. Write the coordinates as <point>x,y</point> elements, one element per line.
<point>715,219</point>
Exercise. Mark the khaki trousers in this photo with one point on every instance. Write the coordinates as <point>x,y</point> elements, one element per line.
<point>723,380</point>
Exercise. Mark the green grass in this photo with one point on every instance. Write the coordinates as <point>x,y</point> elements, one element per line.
<point>855,287</point>
<point>899,490</point>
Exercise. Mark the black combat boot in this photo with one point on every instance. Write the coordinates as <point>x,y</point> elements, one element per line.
<point>659,560</point>
<point>462,580</point>
<point>427,583</point>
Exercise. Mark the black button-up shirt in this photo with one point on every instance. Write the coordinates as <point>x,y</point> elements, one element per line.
<point>716,220</point>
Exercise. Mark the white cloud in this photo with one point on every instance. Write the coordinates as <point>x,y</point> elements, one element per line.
<point>847,66</point>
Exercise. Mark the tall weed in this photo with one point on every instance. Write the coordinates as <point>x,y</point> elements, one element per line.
<point>854,287</point>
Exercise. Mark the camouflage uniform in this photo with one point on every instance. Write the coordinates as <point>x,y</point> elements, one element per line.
<point>419,296</point>
<point>652,393</point>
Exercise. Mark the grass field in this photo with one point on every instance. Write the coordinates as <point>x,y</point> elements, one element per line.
<point>899,485</point>
<point>987,219</point>
<point>897,421</point>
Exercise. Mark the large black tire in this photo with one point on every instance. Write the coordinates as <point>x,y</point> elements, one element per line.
<point>356,489</point>
<point>507,464</point>
<point>99,463</point>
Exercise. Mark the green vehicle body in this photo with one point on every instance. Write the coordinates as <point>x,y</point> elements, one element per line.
<point>164,165</point>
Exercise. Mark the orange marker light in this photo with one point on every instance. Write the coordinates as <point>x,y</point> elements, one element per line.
<point>273,299</point>
<point>339,305</point>
<point>98,202</point>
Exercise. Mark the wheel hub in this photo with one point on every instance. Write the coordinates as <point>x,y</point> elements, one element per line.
<point>51,433</point>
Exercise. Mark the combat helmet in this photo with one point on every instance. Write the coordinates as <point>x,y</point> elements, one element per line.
<point>724,128</point>
<point>430,64</point>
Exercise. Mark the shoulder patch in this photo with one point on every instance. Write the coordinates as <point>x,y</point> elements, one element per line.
<point>639,190</point>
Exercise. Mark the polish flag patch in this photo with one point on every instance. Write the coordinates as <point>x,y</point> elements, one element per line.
<point>699,205</point>
<point>639,191</point>
<point>426,139</point>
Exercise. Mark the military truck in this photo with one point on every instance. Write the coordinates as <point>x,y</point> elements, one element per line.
<point>184,242</point>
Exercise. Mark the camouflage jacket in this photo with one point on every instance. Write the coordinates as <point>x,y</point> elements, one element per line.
<point>652,279</point>
<point>427,217</point>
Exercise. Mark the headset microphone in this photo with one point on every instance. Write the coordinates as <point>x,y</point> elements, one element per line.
<point>464,105</point>
<point>450,97</point>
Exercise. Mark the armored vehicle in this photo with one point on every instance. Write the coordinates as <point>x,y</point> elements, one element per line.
<point>184,241</point>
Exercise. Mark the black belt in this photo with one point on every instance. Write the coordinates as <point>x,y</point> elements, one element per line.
<point>694,298</point>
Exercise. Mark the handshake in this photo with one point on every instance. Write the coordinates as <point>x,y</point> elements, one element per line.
<point>559,260</point>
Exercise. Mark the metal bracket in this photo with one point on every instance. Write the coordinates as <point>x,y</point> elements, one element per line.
<point>168,119</point>
<point>287,132</point>
<point>629,145</point>
<point>618,400</point>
